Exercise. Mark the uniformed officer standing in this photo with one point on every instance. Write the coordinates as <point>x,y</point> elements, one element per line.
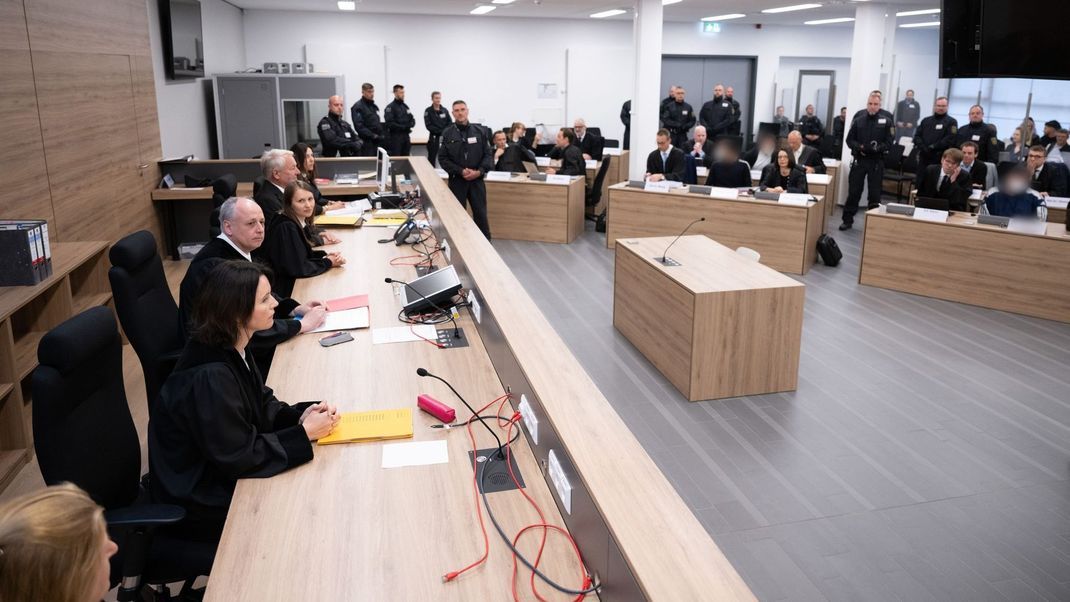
<point>872,133</point>
<point>678,117</point>
<point>365,115</point>
<point>811,128</point>
<point>399,121</point>
<point>436,118</point>
<point>935,134</point>
<point>716,114</point>
<point>980,133</point>
<point>626,119</point>
<point>336,135</point>
<point>466,156</point>
<point>907,113</point>
<point>736,126</point>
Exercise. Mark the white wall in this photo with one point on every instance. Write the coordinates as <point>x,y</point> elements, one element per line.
<point>187,121</point>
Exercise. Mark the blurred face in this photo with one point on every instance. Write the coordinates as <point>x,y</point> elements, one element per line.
<point>335,105</point>
<point>399,94</point>
<point>247,227</point>
<point>767,145</point>
<point>310,160</point>
<point>1036,159</point>
<point>499,140</point>
<point>101,579</point>
<point>718,91</point>
<point>948,165</point>
<point>368,94</point>
<point>1061,137</point>
<point>263,316</point>
<point>969,155</point>
<point>580,128</point>
<point>303,203</point>
<point>795,141</point>
<point>940,108</point>
<point>1015,184</point>
<point>873,105</point>
<point>976,115</point>
<point>1049,131</point>
<point>460,113</point>
<point>663,143</point>
<point>436,99</point>
<point>700,135</point>
<point>285,176</point>
<point>782,159</point>
<point>810,110</point>
<point>728,154</point>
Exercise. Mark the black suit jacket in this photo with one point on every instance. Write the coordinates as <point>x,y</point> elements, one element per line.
<point>673,167</point>
<point>957,192</point>
<point>794,183</point>
<point>729,175</point>
<point>514,157</point>
<point>592,144</point>
<point>707,152</point>
<point>809,157</point>
<point>270,199</point>
<point>979,173</point>
<point>572,163</point>
<point>290,254</point>
<point>1050,181</point>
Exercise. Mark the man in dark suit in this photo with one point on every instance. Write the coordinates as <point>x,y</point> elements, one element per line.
<point>948,181</point>
<point>806,157</point>
<point>280,170</point>
<point>365,115</point>
<point>716,114</point>
<point>678,118</point>
<point>666,162</point>
<point>1045,177</point>
<point>399,121</point>
<point>977,169</point>
<point>568,152</point>
<point>590,145</point>
<point>700,147</point>
<point>242,225</point>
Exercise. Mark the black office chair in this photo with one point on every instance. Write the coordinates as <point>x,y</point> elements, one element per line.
<point>146,309</point>
<point>258,182</point>
<point>610,143</point>
<point>224,187</point>
<point>595,131</point>
<point>83,433</point>
<point>594,194</point>
<point>893,170</point>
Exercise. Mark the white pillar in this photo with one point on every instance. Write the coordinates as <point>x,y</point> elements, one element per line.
<point>868,50</point>
<point>646,44</point>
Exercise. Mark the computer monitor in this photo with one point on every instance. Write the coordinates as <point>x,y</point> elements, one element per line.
<point>427,292</point>
<point>933,203</point>
<point>382,169</point>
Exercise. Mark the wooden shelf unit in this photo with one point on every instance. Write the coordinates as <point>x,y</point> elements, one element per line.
<point>79,281</point>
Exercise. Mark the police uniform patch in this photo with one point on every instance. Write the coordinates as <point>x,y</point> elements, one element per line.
<point>325,126</point>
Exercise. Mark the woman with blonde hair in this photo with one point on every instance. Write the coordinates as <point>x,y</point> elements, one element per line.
<point>54,546</point>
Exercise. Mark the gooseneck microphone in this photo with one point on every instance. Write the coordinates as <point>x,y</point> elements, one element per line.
<point>422,372</point>
<point>456,331</point>
<point>664,259</point>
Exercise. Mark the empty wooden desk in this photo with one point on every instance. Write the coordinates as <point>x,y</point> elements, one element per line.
<point>785,235</point>
<point>960,260</point>
<point>718,325</point>
<point>523,209</point>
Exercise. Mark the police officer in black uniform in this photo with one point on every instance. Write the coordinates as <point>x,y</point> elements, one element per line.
<point>436,118</point>
<point>811,128</point>
<point>934,135</point>
<point>626,119</point>
<point>365,115</point>
<point>980,133</point>
<point>736,126</point>
<point>678,117</point>
<point>336,135</point>
<point>716,115</point>
<point>871,135</point>
<point>399,122</point>
<point>466,156</point>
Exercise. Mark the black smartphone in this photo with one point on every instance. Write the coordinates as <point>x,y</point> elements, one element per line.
<point>336,339</point>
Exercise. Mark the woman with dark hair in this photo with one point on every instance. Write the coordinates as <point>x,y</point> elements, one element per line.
<point>215,422</point>
<point>289,240</point>
<point>783,175</point>
<point>306,166</point>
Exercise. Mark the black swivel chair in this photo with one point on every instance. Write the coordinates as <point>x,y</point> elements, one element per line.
<point>258,181</point>
<point>893,170</point>
<point>83,433</point>
<point>146,309</point>
<point>223,188</point>
<point>594,195</point>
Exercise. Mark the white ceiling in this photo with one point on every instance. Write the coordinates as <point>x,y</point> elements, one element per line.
<point>686,11</point>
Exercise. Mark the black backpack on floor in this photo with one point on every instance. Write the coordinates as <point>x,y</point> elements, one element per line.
<point>600,222</point>
<point>828,250</point>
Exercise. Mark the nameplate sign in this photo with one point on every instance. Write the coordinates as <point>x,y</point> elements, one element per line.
<point>818,178</point>
<point>1054,202</point>
<point>756,174</point>
<point>613,152</point>
<point>499,176</point>
<point>542,161</point>
<point>558,179</point>
<point>796,200</point>
<point>727,194</point>
<point>662,186</point>
<point>930,215</point>
<point>591,163</point>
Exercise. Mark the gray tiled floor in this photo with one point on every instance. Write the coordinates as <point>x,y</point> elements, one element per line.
<point>924,456</point>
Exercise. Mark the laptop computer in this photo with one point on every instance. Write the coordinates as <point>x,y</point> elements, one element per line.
<point>531,168</point>
<point>933,203</point>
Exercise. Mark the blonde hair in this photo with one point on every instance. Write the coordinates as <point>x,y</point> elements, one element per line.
<point>50,545</point>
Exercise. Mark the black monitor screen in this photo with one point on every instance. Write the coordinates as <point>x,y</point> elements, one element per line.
<point>183,42</point>
<point>1023,39</point>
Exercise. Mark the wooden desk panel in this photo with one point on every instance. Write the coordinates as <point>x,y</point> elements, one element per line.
<point>785,235</point>
<point>524,210</point>
<point>969,263</point>
<point>204,193</point>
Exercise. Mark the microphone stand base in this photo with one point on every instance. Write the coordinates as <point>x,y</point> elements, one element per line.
<point>668,262</point>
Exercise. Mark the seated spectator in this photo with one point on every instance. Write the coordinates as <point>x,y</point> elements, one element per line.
<point>1047,178</point>
<point>1013,197</point>
<point>727,171</point>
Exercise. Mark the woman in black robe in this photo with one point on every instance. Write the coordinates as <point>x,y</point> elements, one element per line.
<point>289,239</point>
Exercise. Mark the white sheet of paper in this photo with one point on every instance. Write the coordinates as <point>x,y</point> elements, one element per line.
<point>930,215</point>
<point>977,194</point>
<point>498,176</point>
<point>1027,225</point>
<point>352,208</point>
<point>415,453</point>
<point>345,320</point>
<point>402,334</point>
<point>542,161</point>
<point>590,163</point>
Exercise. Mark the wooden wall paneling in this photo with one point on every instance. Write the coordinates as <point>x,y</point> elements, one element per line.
<point>144,215</point>
<point>91,144</point>
<point>88,26</point>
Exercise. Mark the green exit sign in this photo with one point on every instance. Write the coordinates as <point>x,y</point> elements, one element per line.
<point>711,27</point>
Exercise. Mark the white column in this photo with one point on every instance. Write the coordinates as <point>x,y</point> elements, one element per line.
<point>868,51</point>
<point>646,44</point>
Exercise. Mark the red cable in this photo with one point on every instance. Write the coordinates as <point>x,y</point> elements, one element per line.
<point>423,338</point>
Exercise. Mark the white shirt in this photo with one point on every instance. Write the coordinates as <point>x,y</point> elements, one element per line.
<point>223,235</point>
<point>798,154</point>
<point>762,160</point>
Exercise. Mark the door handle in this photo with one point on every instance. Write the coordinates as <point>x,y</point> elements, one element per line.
<point>143,166</point>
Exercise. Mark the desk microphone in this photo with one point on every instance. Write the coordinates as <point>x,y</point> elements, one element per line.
<point>664,259</point>
<point>423,372</point>
<point>456,332</point>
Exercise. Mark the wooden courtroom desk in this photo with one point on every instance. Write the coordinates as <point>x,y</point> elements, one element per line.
<point>718,325</point>
<point>342,528</point>
<point>1056,209</point>
<point>618,172</point>
<point>969,263</point>
<point>522,209</point>
<point>785,235</point>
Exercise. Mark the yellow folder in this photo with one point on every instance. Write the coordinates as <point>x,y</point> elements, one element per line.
<point>338,220</point>
<point>376,425</point>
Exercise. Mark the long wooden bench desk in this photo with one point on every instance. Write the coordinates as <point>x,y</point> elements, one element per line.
<point>343,528</point>
<point>785,235</point>
<point>960,260</point>
<point>618,172</point>
<point>523,209</point>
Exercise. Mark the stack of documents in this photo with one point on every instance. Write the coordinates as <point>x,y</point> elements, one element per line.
<point>377,425</point>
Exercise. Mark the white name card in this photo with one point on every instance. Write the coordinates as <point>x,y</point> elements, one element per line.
<point>831,162</point>
<point>498,176</point>
<point>728,194</point>
<point>701,171</point>
<point>818,178</point>
<point>1055,202</point>
<point>542,161</point>
<point>662,186</point>
<point>794,199</point>
<point>591,163</point>
<point>614,152</point>
<point>558,179</point>
<point>930,215</point>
